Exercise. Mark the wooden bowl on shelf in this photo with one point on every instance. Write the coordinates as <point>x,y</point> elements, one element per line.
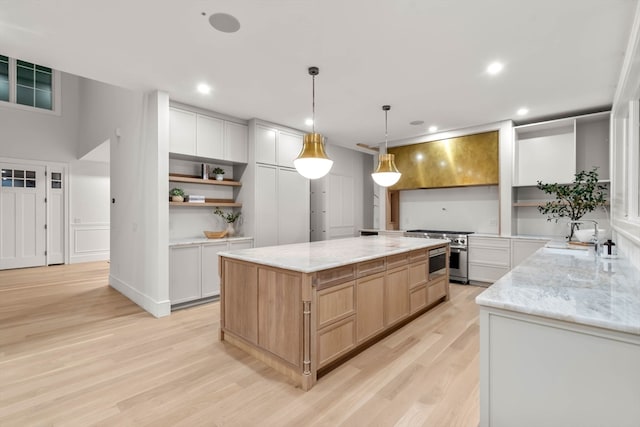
<point>215,234</point>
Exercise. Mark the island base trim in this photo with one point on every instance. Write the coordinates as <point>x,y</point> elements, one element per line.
<point>305,381</point>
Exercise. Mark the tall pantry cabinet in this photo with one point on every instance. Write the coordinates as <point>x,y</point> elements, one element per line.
<point>274,195</point>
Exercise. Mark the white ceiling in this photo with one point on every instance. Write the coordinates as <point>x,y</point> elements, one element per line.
<point>426,58</point>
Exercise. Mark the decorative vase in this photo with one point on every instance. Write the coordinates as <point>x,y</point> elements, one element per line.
<point>230,230</point>
<point>219,177</point>
<point>177,199</point>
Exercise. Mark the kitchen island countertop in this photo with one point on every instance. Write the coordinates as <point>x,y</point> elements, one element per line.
<point>325,254</point>
<point>572,286</point>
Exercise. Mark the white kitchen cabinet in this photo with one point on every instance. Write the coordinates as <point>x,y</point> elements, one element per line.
<point>266,227</point>
<point>235,142</point>
<point>276,146</point>
<point>282,196</point>
<point>265,144</point>
<point>206,136</point>
<point>210,270</point>
<point>489,258</point>
<point>522,249</point>
<point>289,146</point>
<point>209,137</point>
<point>293,207</point>
<point>182,132</point>
<point>184,273</point>
<point>194,269</point>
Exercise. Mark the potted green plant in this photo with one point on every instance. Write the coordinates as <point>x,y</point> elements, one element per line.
<point>177,195</point>
<point>219,173</point>
<point>230,218</point>
<point>574,200</point>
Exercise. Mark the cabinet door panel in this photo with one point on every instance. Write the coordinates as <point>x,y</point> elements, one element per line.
<point>210,133</point>
<point>184,273</point>
<point>182,132</point>
<point>289,146</point>
<point>293,207</point>
<point>370,306</point>
<point>265,145</point>
<point>396,298</point>
<point>210,270</point>
<point>235,142</point>
<point>266,206</point>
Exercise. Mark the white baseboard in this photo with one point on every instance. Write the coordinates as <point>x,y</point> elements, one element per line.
<point>99,256</point>
<point>156,308</point>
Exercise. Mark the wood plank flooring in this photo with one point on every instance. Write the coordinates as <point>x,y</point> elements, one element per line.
<point>74,352</point>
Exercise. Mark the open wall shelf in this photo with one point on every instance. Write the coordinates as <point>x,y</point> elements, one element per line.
<point>173,177</point>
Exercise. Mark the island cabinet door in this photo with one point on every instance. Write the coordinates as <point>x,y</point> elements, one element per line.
<point>280,314</point>
<point>240,288</point>
<point>396,295</point>
<point>370,306</point>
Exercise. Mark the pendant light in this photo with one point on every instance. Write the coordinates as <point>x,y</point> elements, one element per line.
<point>312,162</point>
<point>387,173</point>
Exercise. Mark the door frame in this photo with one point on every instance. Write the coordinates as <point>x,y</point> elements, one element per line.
<point>49,167</point>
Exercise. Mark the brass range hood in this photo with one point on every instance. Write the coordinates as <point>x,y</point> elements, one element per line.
<point>468,160</point>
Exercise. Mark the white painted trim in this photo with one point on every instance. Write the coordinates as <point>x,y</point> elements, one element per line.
<point>155,308</point>
<point>92,257</point>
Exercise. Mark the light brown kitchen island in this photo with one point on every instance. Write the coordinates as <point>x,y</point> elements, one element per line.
<point>303,308</point>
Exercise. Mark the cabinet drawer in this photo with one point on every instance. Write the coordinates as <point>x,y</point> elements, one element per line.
<point>368,268</point>
<point>417,274</point>
<point>419,255</point>
<point>491,242</point>
<point>335,340</point>
<point>418,298</point>
<point>486,273</point>
<point>437,290</point>
<point>335,303</point>
<point>399,260</point>
<point>334,276</point>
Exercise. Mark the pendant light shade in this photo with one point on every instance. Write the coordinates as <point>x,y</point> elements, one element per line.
<point>387,173</point>
<point>313,162</point>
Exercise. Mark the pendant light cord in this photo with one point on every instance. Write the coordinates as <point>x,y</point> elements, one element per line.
<point>386,148</point>
<point>313,103</point>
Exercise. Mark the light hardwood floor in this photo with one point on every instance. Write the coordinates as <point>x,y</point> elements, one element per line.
<point>75,352</point>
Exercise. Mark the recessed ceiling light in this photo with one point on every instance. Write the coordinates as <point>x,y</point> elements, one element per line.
<point>417,122</point>
<point>204,88</point>
<point>495,68</point>
<point>523,111</point>
<point>308,122</point>
<point>433,128</point>
<point>224,22</point>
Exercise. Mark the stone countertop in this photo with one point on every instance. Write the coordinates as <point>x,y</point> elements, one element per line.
<point>200,240</point>
<point>572,286</point>
<point>519,236</point>
<point>316,256</point>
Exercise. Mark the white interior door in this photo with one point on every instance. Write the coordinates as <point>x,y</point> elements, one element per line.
<point>55,223</point>
<point>22,216</point>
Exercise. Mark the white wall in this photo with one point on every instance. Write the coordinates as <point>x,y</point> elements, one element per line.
<point>89,204</point>
<point>461,209</point>
<point>138,126</point>
<point>53,139</point>
<point>40,135</point>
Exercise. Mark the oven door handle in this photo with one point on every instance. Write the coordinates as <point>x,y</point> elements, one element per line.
<point>457,249</point>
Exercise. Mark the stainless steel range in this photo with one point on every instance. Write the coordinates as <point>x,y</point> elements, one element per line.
<point>458,261</point>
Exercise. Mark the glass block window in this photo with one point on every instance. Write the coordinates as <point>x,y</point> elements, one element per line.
<point>4,78</point>
<point>56,180</point>
<point>34,85</point>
